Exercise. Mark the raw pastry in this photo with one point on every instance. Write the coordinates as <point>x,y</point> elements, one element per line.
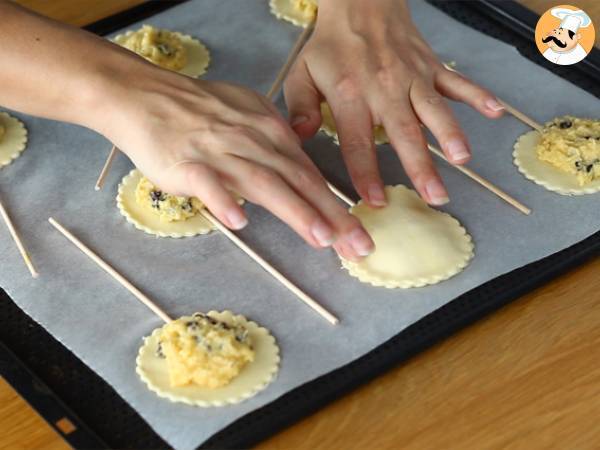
<point>204,351</point>
<point>13,138</point>
<point>299,12</point>
<point>253,377</point>
<point>145,218</point>
<point>415,245</point>
<point>328,127</point>
<point>564,158</point>
<point>170,50</point>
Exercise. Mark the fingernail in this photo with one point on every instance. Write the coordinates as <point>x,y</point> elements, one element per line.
<point>494,105</point>
<point>361,242</point>
<point>436,192</point>
<point>458,150</point>
<point>297,120</point>
<point>322,233</point>
<point>237,220</point>
<point>377,195</point>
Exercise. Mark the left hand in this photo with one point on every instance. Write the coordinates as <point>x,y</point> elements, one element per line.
<point>368,60</point>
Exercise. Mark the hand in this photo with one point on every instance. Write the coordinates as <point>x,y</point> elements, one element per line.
<point>372,66</point>
<point>206,139</point>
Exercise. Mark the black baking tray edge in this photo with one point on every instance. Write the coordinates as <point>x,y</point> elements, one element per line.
<point>87,399</point>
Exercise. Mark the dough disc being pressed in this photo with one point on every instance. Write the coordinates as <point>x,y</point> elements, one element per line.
<point>253,378</point>
<point>543,173</point>
<point>13,140</point>
<point>285,9</point>
<point>198,56</point>
<point>145,220</point>
<point>415,244</point>
<point>328,127</point>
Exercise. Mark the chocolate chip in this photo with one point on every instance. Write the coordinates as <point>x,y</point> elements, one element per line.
<point>565,124</point>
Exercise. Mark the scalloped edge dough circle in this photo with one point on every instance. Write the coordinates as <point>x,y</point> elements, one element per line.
<point>150,223</point>
<point>434,241</point>
<point>283,9</point>
<point>253,378</point>
<point>328,127</point>
<point>198,56</point>
<point>14,140</point>
<point>544,174</point>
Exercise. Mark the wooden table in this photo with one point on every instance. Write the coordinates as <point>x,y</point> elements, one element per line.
<point>526,377</point>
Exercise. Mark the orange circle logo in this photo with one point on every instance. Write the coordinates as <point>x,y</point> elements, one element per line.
<point>565,34</point>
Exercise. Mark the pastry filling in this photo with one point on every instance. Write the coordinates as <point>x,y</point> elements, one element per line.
<point>169,208</point>
<point>572,145</point>
<point>307,8</point>
<point>2,131</point>
<point>204,351</point>
<point>160,47</point>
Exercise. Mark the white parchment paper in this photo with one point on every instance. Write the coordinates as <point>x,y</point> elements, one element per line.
<point>103,324</point>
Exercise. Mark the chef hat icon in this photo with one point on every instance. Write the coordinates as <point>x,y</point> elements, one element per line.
<point>571,20</point>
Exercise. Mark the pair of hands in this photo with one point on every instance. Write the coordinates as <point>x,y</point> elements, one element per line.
<point>205,139</point>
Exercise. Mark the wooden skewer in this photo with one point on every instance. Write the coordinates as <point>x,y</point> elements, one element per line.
<point>106,168</point>
<point>339,194</point>
<point>522,117</point>
<point>17,239</point>
<point>112,272</point>
<point>485,183</point>
<point>270,269</point>
<point>511,110</point>
<point>290,60</point>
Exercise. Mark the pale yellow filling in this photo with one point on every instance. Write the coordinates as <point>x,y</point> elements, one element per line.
<point>161,47</point>
<point>168,207</point>
<point>2,131</point>
<point>572,145</point>
<point>204,351</point>
<point>308,8</point>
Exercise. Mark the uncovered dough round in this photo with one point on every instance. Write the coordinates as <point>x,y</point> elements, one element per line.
<point>196,54</point>
<point>328,127</point>
<point>253,378</point>
<point>299,12</point>
<point>543,173</point>
<point>415,245</point>
<point>13,138</point>
<point>146,220</point>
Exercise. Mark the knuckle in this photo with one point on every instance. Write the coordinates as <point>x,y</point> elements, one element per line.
<point>410,131</point>
<point>347,88</point>
<point>356,145</point>
<point>433,99</point>
<point>263,178</point>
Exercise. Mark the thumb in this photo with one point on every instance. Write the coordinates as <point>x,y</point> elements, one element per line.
<point>303,101</point>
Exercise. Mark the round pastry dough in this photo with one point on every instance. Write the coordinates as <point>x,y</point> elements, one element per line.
<point>285,9</point>
<point>415,245</point>
<point>328,127</point>
<point>198,56</point>
<point>545,174</point>
<point>145,220</point>
<point>253,378</point>
<point>13,140</point>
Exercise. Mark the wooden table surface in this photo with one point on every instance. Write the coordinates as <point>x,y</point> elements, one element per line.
<point>526,377</point>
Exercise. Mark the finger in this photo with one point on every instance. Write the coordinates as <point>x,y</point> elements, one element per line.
<point>355,131</point>
<point>456,87</point>
<point>206,185</point>
<point>431,109</point>
<point>406,136</point>
<point>308,182</point>
<point>264,186</point>
<point>303,101</point>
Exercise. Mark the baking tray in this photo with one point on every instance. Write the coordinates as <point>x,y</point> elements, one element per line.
<point>56,382</point>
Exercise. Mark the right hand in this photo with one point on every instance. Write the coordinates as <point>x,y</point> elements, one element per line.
<point>206,139</point>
